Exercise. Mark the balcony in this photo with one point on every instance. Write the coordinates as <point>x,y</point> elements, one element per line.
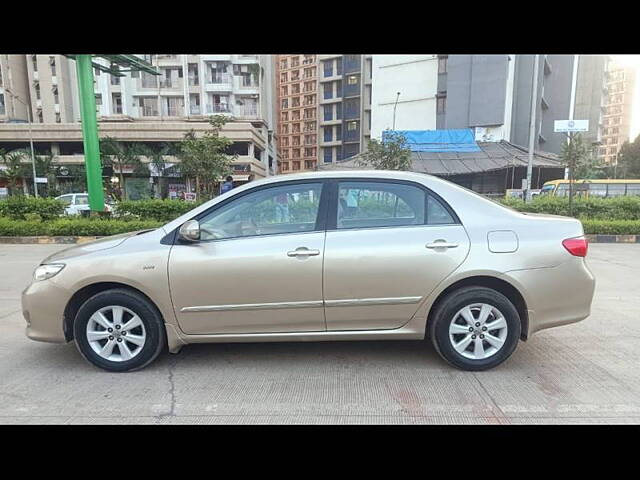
<point>250,110</point>
<point>149,111</point>
<point>218,108</point>
<point>171,83</point>
<point>174,111</point>
<point>195,110</point>
<point>216,58</point>
<point>219,82</point>
<point>246,83</point>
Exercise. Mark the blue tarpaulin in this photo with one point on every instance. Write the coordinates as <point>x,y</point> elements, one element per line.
<point>453,140</point>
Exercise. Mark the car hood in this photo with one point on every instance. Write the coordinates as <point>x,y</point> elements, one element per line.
<point>90,247</point>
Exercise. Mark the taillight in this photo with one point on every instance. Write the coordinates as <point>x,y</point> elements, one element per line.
<point>576,246</point>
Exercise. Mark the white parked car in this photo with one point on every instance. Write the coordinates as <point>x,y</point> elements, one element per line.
<point>75,203</point>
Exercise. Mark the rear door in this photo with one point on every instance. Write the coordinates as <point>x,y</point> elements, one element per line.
<point>388,244</point>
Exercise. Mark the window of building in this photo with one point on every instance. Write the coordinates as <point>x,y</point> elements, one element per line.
<point>285,116</point>
<point>328,68</point>
<point>283,77</point>
<point>328,90</point>
<point>192,72</point>
<point>36,87</point>
<point>352,80</point>
<point>2,106</point>
<point>441,104</point>
<point>56,98</point>
<point>338,111</point>
<point>283,63</point>
<point>328,134</point>
<point>295,89</point>
<point>58,118</point>
<point>52,62</point>
<point>351,126</point>
<point>328,155</point>
<point>295,153</point>
<point>442,63</point>
<point>34,62</point>
<point>328,112</point>
<point>98,99</point>
<point>296,165</point>
<point>309,164</point>
<point>338,132</point>
<point>284,103</point>
<point>117,103</point>
<point>96,71</point>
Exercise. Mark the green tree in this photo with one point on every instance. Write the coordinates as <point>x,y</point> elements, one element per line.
<point>156,158</point>
<point>121,155</point>
<point>575,156</point>
<point>629,159</point>
<point>14,170</point>
<point>204,159</point>
<point>391,153</point>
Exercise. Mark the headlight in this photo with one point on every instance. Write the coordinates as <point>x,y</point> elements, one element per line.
<point>47,271</point>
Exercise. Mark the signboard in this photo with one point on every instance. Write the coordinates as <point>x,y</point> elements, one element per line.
<point>42,180</point>
<point>571,126</point>
<point>190,197</point>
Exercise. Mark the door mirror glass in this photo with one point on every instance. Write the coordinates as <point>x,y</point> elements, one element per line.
<point>190,231</point>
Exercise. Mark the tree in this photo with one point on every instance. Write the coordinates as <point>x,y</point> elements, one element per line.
<point>204,159</point>
<point>14,169</point>
<point>391,153</point>
<point>629,159</point>
<point>575,156</point>
<point>121,155</point>
<point>157,160</point>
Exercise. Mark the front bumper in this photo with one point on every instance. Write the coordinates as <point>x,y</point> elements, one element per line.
<point>43,305</point>
<point>558,295</point>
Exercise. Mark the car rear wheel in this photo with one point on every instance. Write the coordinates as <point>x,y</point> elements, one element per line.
<point>119,330</point>
<point>475,328</point>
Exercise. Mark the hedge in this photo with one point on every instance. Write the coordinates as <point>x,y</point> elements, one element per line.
<point>617,208</point>
<point>611,227</point>
<point>21,208</point>
<point>73,227</point>
<point>161,210</point>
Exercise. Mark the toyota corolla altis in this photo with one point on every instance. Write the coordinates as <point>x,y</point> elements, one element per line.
<point>359,255</point>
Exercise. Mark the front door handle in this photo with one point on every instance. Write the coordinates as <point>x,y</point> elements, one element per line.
<point>303,252</point>
<point>441,244</point>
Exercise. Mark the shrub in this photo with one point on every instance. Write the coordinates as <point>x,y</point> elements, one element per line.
<point>73,227</point>
<point>617,208</point>
<point>611,227</point>
<point>18,207</point>
<point>161,210</point>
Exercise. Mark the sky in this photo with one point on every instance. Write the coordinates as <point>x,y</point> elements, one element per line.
<point>632,61</point>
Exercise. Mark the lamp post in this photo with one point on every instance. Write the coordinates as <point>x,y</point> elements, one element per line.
<point>532,126</point>
<point>394,110</point>
<point>33,158</point>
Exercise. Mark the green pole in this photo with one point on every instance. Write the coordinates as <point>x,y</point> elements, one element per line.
<point>89,121</point>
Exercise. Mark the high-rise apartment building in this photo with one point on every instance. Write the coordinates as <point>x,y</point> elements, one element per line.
<point>490,94</point>
<point>150,109</point>
<point>617,111</point>
<point>297,83</point>
<point>14,90</point>
<point>344,105</point>
<point>590,98</point>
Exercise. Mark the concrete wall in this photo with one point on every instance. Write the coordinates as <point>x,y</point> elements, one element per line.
<point>416,78</point>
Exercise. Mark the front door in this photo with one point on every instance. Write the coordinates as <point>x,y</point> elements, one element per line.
<point>390,246</point>
<point>258,266</point>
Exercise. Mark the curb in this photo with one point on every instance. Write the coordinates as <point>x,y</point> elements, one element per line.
<point>72,240</point>
<point>599,238</point>
<point>45,240</point>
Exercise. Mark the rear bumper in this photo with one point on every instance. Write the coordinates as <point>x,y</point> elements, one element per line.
<point>43,305</point>
<point>556,296</point>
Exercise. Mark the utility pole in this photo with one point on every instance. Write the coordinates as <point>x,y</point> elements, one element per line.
<point>33,157</point>
<point>532,126</point>
<point>394,110</point>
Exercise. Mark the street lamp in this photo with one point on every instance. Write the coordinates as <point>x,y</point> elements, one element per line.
<point>33,158</point>
<point>394,110</point>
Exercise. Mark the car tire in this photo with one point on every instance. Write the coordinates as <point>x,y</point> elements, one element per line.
<point>126,313</point>
<point>480,341</point>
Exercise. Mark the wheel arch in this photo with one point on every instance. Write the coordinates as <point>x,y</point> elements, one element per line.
<point>495,283</point>
<point>88,291</point>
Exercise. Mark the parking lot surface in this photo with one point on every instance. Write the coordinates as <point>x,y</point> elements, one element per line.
<point>581,373</point>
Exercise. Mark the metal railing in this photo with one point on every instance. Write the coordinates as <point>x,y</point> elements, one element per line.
<point>174,111</point>
<point>149,111</point>
<point>219,78</point>
<point>250,110</point>
<point>218,108</point>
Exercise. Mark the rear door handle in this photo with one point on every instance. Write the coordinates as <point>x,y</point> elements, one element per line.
<point>441,244</point>
<point>303,252</point>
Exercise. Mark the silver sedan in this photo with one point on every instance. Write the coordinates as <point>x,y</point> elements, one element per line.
<point>363,255</point>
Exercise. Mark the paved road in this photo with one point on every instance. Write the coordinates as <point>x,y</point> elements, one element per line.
<point>582,373</point>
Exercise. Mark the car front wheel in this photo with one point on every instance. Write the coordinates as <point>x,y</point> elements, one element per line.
<point>119,330</point>
<point>475,328</point>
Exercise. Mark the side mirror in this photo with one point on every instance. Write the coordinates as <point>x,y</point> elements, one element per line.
<point>190,231</point>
